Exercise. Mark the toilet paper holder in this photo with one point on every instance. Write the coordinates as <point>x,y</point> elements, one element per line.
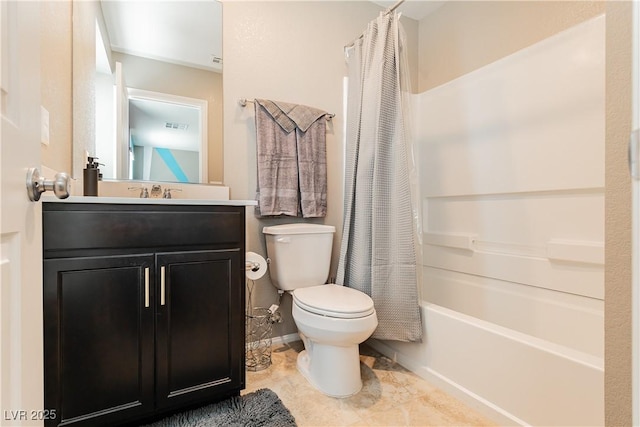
<point>253,266</point>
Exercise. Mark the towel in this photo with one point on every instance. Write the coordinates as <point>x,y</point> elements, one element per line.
<point>312,170</point>
<point>277,167</point>
<point>292,160</point>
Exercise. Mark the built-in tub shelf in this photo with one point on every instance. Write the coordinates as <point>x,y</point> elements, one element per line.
<point>576,251</point>
<point>576,267</point>
<point>555,250</point>
<point>451,240</point>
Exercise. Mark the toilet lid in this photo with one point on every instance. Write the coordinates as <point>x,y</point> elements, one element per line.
<point>334,301</point>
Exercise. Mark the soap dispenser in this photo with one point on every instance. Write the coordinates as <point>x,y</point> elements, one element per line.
<point>91,173</point>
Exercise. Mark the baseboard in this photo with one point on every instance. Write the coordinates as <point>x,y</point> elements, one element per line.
<point>285,339</point>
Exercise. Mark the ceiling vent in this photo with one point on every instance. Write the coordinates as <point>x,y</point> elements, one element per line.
<point>178,126</point>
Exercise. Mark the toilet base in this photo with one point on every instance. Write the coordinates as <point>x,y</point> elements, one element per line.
<point>333,370</point>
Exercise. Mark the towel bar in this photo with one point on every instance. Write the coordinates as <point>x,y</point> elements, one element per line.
<point>243,103</point>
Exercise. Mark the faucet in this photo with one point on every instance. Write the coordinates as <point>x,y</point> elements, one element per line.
<point>156,190</point>
<point>167,192</point>
<point>144,193</point>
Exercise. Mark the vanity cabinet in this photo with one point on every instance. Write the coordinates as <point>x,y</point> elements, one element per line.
<point>143,309</point>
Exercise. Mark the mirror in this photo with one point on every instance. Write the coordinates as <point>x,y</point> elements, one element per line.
<point>156,90</point>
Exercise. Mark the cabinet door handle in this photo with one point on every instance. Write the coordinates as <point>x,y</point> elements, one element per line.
<point>146,287</point>
<point>162,285</point>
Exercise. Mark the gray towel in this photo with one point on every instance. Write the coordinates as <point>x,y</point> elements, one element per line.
<point>292,166</point>
<point>277,167</point>
<point>289,116</point>
<point>312,170</point>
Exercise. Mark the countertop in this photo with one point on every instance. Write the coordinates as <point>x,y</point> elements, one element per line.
<point>150,201</point>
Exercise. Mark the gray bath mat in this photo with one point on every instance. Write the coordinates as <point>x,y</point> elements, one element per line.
<point>262,408</point>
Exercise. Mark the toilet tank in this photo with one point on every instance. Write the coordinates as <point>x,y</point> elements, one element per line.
<point>300,254</point>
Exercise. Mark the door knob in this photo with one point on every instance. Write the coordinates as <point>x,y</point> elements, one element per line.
<point>37,184</point>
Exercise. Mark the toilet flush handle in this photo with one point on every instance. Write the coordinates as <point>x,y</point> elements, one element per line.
<point>283,240</point>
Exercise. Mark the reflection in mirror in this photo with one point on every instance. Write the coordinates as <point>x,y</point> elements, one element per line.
<point>167,137</point>
<point>150,52</point>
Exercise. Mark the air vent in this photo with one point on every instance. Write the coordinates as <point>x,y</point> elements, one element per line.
<point>177,126</point>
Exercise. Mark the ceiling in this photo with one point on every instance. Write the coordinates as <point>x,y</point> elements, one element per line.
<point>190,32</point>
<point>414,9</point>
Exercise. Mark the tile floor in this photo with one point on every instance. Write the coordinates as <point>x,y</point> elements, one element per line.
<point>391,395</point>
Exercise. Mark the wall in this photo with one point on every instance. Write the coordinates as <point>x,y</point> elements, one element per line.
<point>462,36</point>
<point>618,324</point>
<point>56,83</point>
<point>158,76</point>
<point>83,90</point>
<point>302,62</point>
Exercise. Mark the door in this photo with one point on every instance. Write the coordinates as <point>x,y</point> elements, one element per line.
<point>99,335</point>
<point>21,355</point>
<point>200,326</point>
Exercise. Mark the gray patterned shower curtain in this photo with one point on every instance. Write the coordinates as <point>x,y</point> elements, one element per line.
<point>378,250</point>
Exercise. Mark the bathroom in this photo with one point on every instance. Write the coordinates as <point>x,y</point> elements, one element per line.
<point>455,39</point>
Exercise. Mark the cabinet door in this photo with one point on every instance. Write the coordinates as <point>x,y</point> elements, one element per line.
<point>200,326</point>
<point>98,338</point>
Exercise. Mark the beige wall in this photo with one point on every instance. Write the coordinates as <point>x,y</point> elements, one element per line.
<point>158,76</point>
<point>55,56</point>
<point>462,36</point>
<point>618,217</point>
<point>84,93</point>
<point>288,51</point>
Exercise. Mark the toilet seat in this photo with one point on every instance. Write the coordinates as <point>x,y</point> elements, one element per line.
<point>334,301</point>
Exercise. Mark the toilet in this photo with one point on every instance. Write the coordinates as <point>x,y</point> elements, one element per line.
<point>331,319</point>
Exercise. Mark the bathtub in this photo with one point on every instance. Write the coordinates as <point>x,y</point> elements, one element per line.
<point>511,377</point>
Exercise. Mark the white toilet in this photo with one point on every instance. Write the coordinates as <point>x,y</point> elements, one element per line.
<point>332,319</point>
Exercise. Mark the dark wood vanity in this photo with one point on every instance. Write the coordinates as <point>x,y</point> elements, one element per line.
<point>143,309</point>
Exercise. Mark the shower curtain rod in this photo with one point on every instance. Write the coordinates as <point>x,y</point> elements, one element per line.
<point>243,103</point>
<point>394,7</point>
<point>386,12</point>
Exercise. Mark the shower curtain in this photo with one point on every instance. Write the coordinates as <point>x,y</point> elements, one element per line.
<point>378,250</point>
